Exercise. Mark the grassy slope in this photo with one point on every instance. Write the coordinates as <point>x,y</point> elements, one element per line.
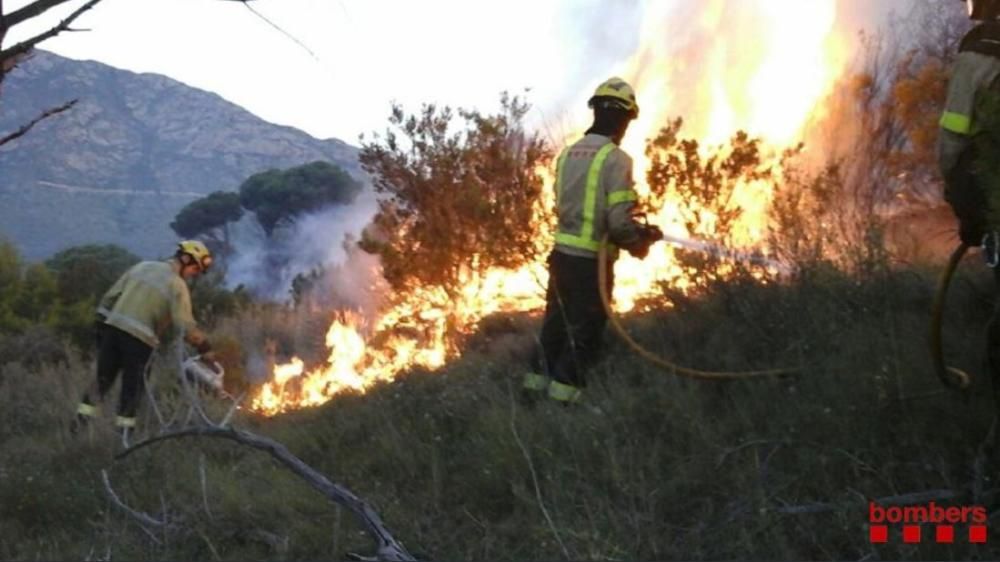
<point>668,469</point>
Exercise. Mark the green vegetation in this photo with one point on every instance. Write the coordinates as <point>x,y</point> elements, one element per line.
<point>278,196</point>
<point>209,217</point>
<point>651,466</point>
<point>666,469</point>
<point>41,304</point>
<point>86,272</point>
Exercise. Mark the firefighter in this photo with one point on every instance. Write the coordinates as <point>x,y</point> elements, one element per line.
<point>594,198</point>
<point>966,123</point>
<point>138,310</point>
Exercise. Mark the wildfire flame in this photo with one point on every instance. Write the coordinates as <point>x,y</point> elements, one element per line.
<point>763,66</point>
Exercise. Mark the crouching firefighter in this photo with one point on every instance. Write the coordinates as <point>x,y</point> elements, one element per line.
<point>145,302</point>
<point>594,198</point>
<point>969,161</point>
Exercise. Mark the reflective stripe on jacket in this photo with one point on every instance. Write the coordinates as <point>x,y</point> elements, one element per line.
<point>972,73</point>
<point>147,300</point>
<point>594,196</point>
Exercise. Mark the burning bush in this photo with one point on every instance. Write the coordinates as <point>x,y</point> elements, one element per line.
<point>714,189</point>
<point>461,193</point>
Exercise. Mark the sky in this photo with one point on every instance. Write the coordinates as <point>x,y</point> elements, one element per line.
<point>357,57</point>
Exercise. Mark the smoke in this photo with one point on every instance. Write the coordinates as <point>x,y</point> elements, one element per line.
<point>670,49</point>
<point>319,244</point>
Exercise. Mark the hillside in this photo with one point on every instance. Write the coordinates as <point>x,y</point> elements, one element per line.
<point>136,148</point>
<point>654,467</point>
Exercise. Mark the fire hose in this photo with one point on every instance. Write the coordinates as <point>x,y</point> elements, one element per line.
<point>950,376</point>
<point>602,258</point>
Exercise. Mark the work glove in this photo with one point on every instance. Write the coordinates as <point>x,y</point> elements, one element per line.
<point>649,234</point>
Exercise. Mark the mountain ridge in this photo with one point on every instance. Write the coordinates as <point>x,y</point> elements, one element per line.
<point>132,152</point>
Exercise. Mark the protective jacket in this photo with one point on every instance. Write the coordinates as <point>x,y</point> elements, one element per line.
<point>594,197</point>
<point>976,69</point>
<point>147,300</point>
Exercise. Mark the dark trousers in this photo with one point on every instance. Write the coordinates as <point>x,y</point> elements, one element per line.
<point>965,192</point>
<point>969,198</point>
<point>119,351</point>
<point>573,328</point>
<point>993,343</point>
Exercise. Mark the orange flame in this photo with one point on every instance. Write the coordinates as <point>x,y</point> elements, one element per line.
<point>765,69</point>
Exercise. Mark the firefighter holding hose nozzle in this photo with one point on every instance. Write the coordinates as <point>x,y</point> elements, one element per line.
<point>594,198</point>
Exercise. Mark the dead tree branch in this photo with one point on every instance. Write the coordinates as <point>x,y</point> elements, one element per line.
<point>44,115</point>
<point>17,17</point>
<point>32,10</point>
<point>3,30</point>
<point>387,547</point>
<point>143,518</point>
<point>903,499</point>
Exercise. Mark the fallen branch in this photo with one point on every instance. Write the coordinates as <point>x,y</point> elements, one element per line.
<point>44,115</point>
<point>204,486</point>
<point>143,518</point>
<point>900,500</point>
<point>387,547</point>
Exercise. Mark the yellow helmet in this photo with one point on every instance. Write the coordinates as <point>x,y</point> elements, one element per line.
<point>198,251</point>
<point>617,93</point>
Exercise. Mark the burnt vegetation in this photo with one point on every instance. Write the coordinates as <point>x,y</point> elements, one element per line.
<point>656,467</point>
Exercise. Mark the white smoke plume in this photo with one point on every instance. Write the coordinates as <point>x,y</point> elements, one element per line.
<point>322,241</point>
<point>669,49</point>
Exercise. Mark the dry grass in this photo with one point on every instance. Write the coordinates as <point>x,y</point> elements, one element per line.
<point>668,469</point>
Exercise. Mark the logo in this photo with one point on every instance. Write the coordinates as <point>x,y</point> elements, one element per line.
<point>947,524</point>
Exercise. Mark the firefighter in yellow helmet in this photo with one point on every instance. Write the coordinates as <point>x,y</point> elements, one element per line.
<point>138,310</point>
<point>969,148</point>
<point>594,198</point>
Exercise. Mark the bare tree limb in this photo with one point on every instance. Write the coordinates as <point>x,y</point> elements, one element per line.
<point>387,547</point>
<point>143,518</point>
<point>34,9</point>
<point>28,44</point>
<point>204,485</point>
<point>232,409</point>
<point>3,27</point>
<point>44,115</point>
<point>903,499</point>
